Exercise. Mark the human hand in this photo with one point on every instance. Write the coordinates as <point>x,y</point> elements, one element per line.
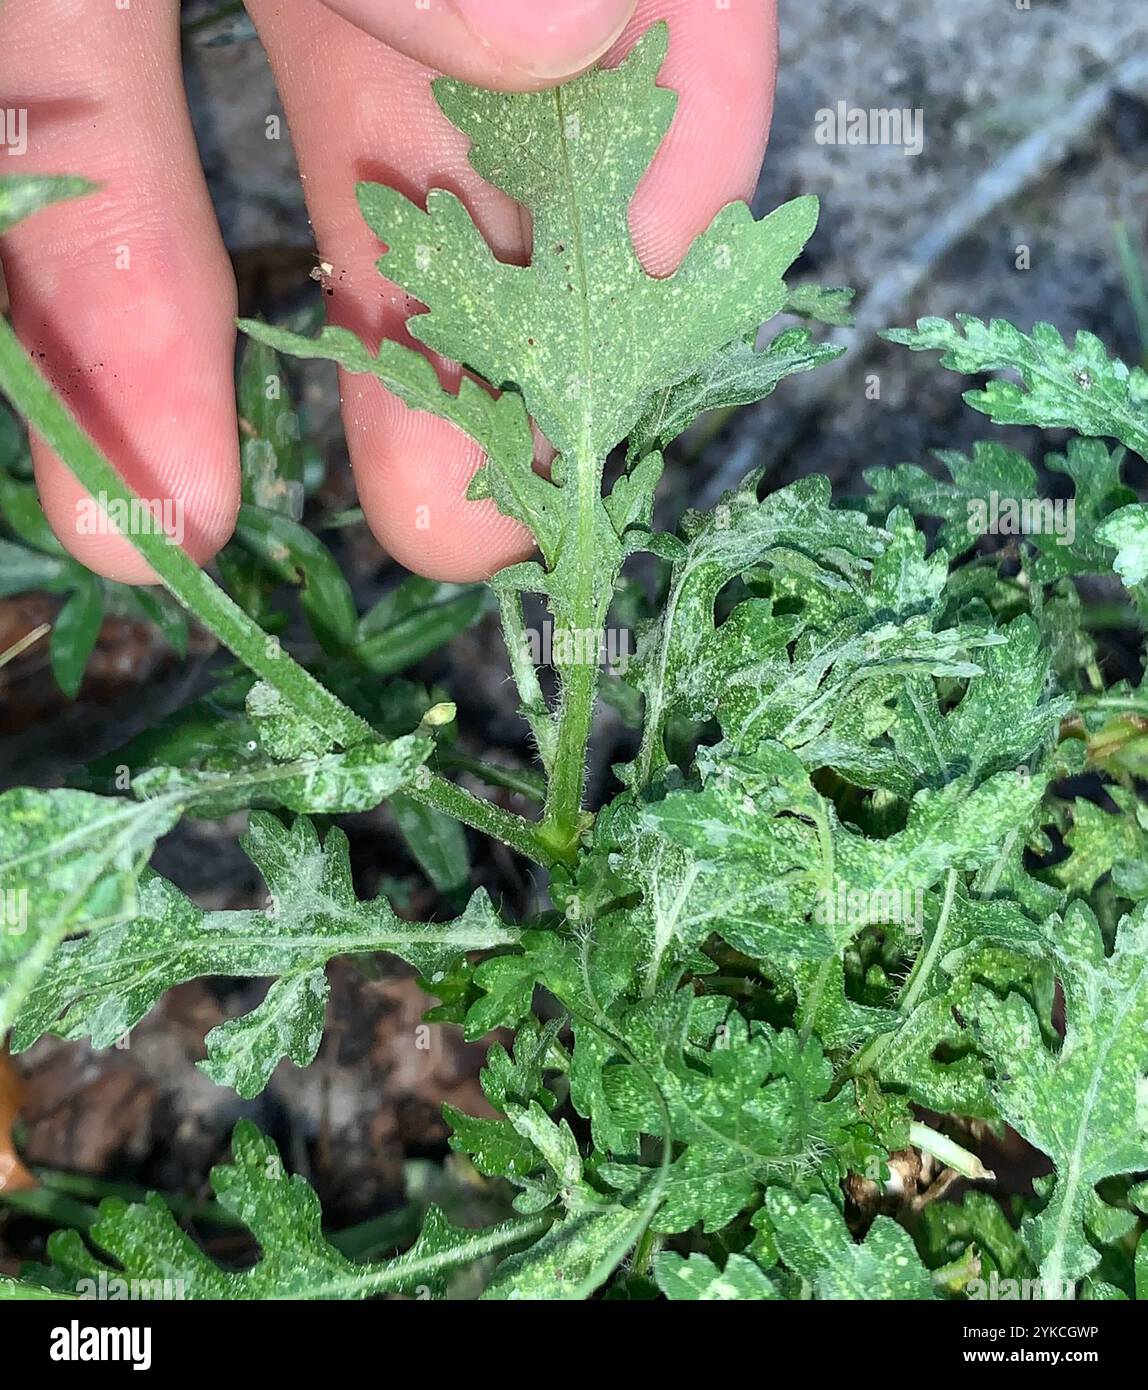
<point>126,296</point>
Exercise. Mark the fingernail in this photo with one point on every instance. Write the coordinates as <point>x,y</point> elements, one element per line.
<point>547,38</point>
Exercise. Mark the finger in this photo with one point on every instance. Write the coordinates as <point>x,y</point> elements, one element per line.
<point>124,296</point>
<point>722,62</point>
<point>514,45</point>
<point>411,469</point>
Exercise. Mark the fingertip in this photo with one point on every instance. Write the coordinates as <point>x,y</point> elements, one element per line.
<point>491,542</point>
<point>552,41</point>
<point>412,472</point>
<point>722,63</point>
<point>507,45</point>
<point>199,518</point>
<point>124,297</point>
<point>146,367</point>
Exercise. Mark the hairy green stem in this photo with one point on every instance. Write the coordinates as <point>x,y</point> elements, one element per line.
<point>412,1267</point>
<point>562,824</point>
<point>34,398</point>
<point>525,781</point>
<point>531,702</point>
<point>923,965</point>
<point>456,801</point>
<point>644,1253</point>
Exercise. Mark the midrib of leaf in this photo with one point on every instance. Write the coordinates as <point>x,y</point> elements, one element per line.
<point>655,699</point>
<point>404,1269</point>
<point>665,925</point>
<point>332,945</point>
<point>207,784</point>
<point>86,831</point>
<point>575,213</point>
<point>579,681</point>
<point>1075,1167</point>
<point>925,723</point>
<point>989,886</point>
<point>1135,435</point>
<point>663,403</point>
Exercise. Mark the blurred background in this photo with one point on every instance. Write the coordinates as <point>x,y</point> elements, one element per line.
<point>1028,200</point>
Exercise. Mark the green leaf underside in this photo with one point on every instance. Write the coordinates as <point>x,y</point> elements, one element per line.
<point>581,340</point>
<point>1077,387</point>
<point>99,986</point>
<point>1083,1105</point>
<point>282,1213</point>
<point>815,1242</point>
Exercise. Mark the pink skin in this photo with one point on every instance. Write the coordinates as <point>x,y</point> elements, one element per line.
<point>143,353</point>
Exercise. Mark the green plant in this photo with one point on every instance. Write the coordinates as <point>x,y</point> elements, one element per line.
<point>821,924</point>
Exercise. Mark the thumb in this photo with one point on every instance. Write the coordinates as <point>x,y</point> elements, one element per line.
<point>510,44</point>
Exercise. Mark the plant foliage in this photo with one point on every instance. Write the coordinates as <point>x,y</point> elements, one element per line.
<point>830,908</point>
